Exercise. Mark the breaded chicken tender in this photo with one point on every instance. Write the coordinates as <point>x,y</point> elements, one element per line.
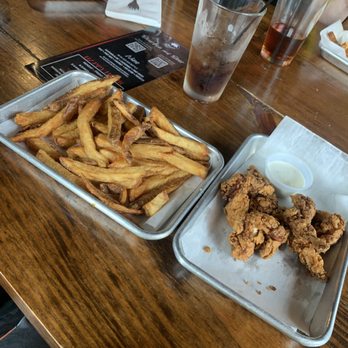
<point>312,233</point>
<point>258,222</point>
<point>260,231</point>
<point>251,200</point>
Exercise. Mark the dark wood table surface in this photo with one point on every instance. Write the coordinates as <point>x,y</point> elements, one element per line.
<point>83,280</point>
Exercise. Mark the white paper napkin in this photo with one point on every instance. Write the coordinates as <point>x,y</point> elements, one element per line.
<point>146,12</point>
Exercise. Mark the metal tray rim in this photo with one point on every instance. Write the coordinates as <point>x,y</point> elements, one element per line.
<point>285,329</point>
<point>334,55</point>
<point>175,220</point>
<point>333,58</point>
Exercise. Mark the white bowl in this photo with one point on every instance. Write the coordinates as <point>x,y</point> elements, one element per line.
<point>288,173</point>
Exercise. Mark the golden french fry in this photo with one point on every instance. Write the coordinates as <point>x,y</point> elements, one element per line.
<point>66,127</point>
<point>86,134</point>
<point>118,95</point>
<point>149,151</point>
<point>106,199</point>
<point>115,121</point>
<point>124,196</point>
<point>193,147</point>
<point>76,152</point>
<point>102,142</point>
<point>26,119</point>
<point>109,155</point>
<point>131,107</point>
<point>151,141</point>
<point>148,162</point>
<point>119,162</point>
<point>71,134</point>
<point>36,144</point>
<point>65,142</point>
<point>201,159</point>
<point>154,182</point>
<point>45,129</point>
<point>100,127</point>
<point>152,207</point>
<point>162,121</point>
<point>83,89</point>
<point>160,170</point>
<point>130,137</point>
<point>107,175</point>
<point>125,113</point>
<point>169,187</point>
<point>50,162</point>
<point>186,164</point>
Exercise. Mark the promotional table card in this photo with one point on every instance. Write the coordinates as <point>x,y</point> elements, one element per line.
<point>137,57</point>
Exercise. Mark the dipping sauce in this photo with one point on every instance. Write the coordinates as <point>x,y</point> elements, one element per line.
<point>287,174</point>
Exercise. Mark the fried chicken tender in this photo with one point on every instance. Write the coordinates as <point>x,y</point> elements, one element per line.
<point>260,224</point>
<point>247,192</point>
<point>329,227</point>
<point>312,233</point>
<point>260,231</point>
<point>251,200</point>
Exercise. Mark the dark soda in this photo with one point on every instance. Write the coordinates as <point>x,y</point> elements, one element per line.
<point>206,77</point>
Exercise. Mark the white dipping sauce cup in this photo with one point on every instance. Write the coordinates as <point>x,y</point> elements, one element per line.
<point>288,173</point>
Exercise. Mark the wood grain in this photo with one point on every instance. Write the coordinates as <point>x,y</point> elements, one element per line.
<point>14,78</point>
<point>85,281</point>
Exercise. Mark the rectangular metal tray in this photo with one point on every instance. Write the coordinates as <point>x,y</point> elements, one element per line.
<point>334,59</point>
<point>161,224</point>
<point>305,312</point>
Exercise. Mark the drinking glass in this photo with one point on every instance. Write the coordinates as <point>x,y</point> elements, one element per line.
<point>223,30</point>
<point>291,23</point>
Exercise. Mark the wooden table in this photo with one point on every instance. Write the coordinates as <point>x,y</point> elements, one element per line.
<point>85,281</point>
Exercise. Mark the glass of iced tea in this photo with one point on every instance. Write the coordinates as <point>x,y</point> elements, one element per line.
<point>223,30</point>
<point>291,23</point>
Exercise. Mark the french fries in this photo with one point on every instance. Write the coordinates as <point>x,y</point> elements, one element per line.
<point>26,119</point>
<point>56,121</point>
<point>86,134</point>
<point>152,207</point>
<point>50,162</point>
<point>83,90</point>
<point>161,121</point>
<point>194,148</point>
<point>111,175</point>
<point>36,144</point>
<point>94,138</point>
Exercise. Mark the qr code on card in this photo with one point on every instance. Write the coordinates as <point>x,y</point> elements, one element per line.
<point>158,62</point>
<point>135,47</point>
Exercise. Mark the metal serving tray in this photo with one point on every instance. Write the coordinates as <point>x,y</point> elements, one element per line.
<point>156,227</point>
<point>278,290</point>
<point>334,58</point>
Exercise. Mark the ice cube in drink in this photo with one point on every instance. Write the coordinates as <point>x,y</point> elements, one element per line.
<point>207,75</point>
